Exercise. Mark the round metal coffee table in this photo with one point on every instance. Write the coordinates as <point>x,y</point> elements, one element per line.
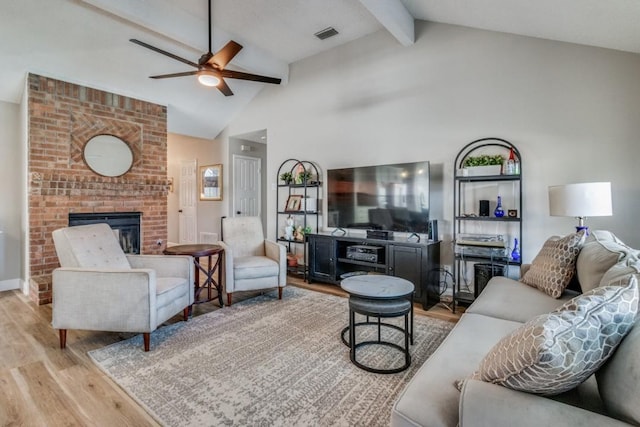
<point>379,296</point>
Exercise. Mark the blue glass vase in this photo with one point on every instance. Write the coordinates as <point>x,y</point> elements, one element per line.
<point>515,253</point>
<point>499,212</point>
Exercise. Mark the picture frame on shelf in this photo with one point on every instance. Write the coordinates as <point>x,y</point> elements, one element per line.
<point>211,182</point>
<point>294,203</point>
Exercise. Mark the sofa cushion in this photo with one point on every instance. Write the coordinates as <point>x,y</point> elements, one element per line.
<point>430,398</point>
<point>554,266</point>
<point>629,266</point>
<point>555,352</point>
<point>509,299</point>
<point>601,250</point>
<point>619,380</point>
<point>89,246</point>
<point>243,235</point>
<point>251,267</point>
<point>169,289</point>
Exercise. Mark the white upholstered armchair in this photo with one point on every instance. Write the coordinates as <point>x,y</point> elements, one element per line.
<point>99,288</point>
<point>251,261</point>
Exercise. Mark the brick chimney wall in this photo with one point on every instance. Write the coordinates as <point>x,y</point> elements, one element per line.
<point>62,118</point>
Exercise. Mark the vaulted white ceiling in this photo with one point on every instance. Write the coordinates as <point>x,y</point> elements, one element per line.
<point>86,41</point>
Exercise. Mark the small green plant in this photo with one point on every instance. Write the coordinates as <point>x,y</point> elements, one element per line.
<point>483,160</point>
<point>306,230</point>
<point>286,177</point>
<point>304,176</point>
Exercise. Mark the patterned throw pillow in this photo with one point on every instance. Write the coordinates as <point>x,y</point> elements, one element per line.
<point>554,266</point>
<point>555,352</point>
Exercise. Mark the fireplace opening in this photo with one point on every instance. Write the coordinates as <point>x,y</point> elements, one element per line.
<point>127,224</point>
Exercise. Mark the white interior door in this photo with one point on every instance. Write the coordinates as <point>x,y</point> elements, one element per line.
<point>246,186</point>
<point>188,213</point>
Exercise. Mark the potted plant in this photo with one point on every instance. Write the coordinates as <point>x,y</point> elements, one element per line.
<point>485,164</point>
<point>286,177</point>
<point>300,231</point>
<point>292,261</point>
<point>304,176</point>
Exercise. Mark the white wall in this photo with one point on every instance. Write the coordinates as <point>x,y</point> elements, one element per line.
<point>11,189</point>
<point>206,152</point>
<point>573,111</point>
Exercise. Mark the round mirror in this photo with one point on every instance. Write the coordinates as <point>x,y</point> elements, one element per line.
<point>108,155</point>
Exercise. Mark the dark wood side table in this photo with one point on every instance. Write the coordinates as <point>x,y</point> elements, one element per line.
<point>198,251</point>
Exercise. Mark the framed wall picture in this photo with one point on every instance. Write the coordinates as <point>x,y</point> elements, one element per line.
<point>211,182</point>
<point>294,203</point>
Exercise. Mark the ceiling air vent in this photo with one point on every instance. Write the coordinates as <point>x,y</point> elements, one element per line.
<point>326,33</point>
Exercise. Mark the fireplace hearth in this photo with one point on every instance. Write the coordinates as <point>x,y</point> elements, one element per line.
<point>127,223</point>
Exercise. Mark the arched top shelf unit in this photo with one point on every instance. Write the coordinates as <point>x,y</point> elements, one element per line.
<point>297,200</point>
<point>487,215</point>
<point>303,173</point>
<point>487,147</point>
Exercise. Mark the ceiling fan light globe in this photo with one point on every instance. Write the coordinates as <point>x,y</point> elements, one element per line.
<point>207,78</point>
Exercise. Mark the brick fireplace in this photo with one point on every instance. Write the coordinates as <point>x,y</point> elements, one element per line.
<point>62,117</point>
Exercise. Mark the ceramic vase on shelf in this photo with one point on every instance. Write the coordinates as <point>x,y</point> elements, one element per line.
<point>499,212</point>
<point>288,229</point>
<point>515,253</point>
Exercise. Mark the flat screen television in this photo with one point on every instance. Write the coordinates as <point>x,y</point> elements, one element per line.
<point>384,197</point>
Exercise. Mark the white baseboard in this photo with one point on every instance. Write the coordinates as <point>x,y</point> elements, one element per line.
<point>8,285</point>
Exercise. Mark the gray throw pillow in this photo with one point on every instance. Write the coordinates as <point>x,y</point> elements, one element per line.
<point>554,266</point>
<point>629,266</point>
<point>555,352</point>
<point>601,250</point>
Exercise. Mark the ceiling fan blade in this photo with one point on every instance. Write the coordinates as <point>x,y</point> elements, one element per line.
<point>164,52</point>
<point>225,55</point>
<point>246,76</point>
<point>166,76</point>
<point>224,88</point>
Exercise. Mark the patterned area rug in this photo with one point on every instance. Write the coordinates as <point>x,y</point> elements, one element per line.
<point>265,362</point>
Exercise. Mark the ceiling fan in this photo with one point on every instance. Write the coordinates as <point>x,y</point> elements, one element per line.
<point>211,67</point>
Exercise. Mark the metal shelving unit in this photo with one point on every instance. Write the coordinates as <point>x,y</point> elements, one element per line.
<point>468,191</point>
<point>304,216</point>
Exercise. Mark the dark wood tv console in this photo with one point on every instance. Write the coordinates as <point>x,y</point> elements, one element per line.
<point>331,258</point>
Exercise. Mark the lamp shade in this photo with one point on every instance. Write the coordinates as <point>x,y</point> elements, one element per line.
<point>581,200</point>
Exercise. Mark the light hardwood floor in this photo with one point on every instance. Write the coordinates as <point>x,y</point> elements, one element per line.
<point>41,385</point>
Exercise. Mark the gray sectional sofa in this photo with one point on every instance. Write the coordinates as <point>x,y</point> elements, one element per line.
<point>611,397</point>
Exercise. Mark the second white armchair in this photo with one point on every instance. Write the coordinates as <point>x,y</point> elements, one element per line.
<point>251,261</point>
